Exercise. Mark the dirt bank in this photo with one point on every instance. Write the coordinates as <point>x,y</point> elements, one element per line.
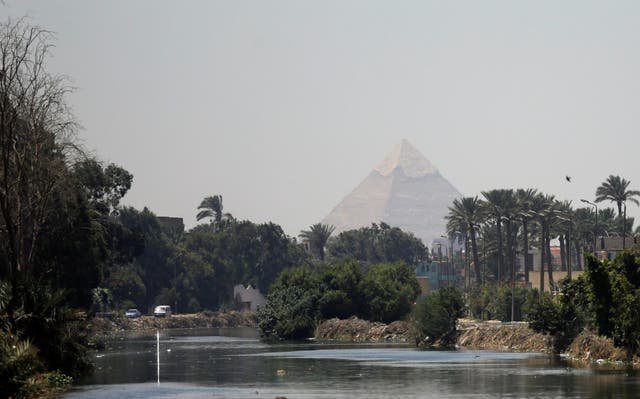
<point>358,330</point>
<point>515,337</point>
<point>112,323</point>
<point>489,336</point>
<point>589,348</point>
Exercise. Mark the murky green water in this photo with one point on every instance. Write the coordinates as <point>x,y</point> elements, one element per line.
<point>233,363</point>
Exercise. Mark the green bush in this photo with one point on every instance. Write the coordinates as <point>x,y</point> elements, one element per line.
<point>493,302</point>
<point>389,289</point>
<point>290,313</point>
<point>341,287</point>
<point>434,317</point>
<point>558,317</point>
<point>300,297</point>
<point>19,362</point>
<point>56,335</point>
<point>613,299</point>
<point>58,379</point>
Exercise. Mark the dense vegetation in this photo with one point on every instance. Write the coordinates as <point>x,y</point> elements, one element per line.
<point>377,244</point>
<point>605,299</point>
<point>303,296</point>
<point>506,223</point>
<point>435,317</point>
<point>68,249</point>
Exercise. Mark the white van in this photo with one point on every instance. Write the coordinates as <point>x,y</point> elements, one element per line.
<point>162,311</point>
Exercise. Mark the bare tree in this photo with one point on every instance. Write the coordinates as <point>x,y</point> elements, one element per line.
<point>36,132</point>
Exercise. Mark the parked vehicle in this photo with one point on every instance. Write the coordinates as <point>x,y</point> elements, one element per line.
<point>133,313</point>
<point>162,311</point>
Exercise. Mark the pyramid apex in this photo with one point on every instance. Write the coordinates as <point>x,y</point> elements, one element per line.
<point>408,158</point>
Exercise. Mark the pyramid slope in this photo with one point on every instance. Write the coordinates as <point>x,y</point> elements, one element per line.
<point>405,156</point>
<point>405,190</point>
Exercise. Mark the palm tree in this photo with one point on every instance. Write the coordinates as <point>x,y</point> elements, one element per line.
<point>525,199</point>
<point>495,208</point>
<point>607,224</point>
<point>211,207</point>
<point>542,208</point>
<point>466,215</point>
<point>584,228</point>
<point>318,235</point>
<point>565,229</point>
<point>615,189</point>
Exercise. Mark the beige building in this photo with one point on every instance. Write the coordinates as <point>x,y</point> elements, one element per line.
<point>534,278</point>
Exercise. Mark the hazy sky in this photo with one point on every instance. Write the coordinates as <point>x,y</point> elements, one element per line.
<point>283,107</point>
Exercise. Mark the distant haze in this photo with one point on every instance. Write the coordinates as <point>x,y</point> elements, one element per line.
<point>283,107</point>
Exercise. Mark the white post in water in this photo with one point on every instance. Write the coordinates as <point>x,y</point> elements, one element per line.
<point>158,353</point>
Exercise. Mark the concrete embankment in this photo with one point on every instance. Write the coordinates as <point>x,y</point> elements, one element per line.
<point>106,324</point>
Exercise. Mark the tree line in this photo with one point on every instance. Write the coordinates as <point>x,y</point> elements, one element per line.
<point>506,222</point>
<point>69,249</point>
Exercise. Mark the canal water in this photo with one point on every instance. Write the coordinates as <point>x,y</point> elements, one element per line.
<point>234,363</point>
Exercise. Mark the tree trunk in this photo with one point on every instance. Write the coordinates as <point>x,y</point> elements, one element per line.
<point>563,253</point>
<point>549,266</point>
<point>568,247</point>
<point>578,255</point>
<point>624,229</point>
<point>500,250</point>
<point>527,266</point>
<point>509,252</point>
<point>542,258</point>
<point>476,259</point>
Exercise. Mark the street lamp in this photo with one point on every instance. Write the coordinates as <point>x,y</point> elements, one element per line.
<point>595,230</point>
<point>624,226</point>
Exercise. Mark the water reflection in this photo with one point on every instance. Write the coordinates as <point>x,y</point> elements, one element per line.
<point>233,363</point>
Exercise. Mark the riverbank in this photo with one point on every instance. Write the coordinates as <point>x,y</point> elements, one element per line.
<point>111,323</point>
<point>515,337</point>
<point>358,330</point>
<point>497,336</point>
<point>588,349</point>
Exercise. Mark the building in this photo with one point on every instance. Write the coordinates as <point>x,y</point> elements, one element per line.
<point>248,298</point>
<point>433,275</point>
<point>609,247</point>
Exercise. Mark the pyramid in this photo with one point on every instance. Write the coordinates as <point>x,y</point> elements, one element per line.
<point>405,190</point>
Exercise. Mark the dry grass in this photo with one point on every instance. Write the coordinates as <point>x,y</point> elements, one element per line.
<point>588,347</point>
<point>358,330</point>
<point>107,325</point>
<point>518,338</point>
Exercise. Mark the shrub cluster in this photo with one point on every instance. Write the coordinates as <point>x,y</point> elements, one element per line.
<point>435,317</point>
<point>300,297</point>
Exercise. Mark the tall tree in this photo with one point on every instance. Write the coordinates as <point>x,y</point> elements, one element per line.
<point>36,132</point>
<point>467,214</point>
<point>497,202</point>
<point>318,235</point>
<point>104,186</point>
<point>525,198</point>
<point>211,207</point>
<point>616,189</point>
<point>377,244</point>
<point>542,208</point>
